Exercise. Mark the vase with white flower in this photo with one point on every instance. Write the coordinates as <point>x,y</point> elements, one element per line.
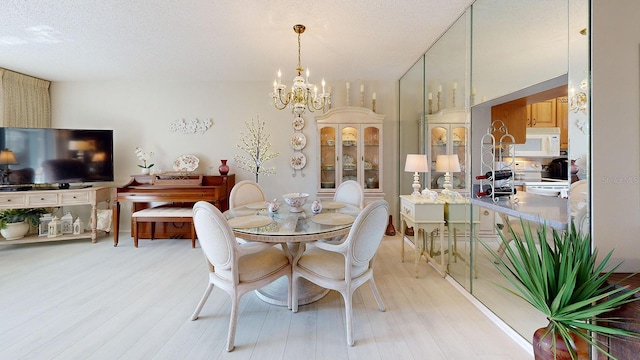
<point>144,157</point>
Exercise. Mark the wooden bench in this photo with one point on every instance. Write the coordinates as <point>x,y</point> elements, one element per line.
<point>163,214</point>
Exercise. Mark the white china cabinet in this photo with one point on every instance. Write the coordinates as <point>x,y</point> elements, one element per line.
<point>447,134</point>
<point>350,148</point>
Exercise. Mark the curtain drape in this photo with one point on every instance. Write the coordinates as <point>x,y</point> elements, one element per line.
<point>24,100</point>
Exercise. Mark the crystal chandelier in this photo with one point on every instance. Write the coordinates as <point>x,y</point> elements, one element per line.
<point>303,95</point>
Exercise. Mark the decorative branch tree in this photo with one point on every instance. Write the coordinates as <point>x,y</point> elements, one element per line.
<point>257,145</point>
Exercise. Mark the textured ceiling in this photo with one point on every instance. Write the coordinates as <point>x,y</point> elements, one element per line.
<point>218,40</point>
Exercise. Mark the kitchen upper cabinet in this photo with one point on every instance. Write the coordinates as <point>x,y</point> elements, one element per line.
<point>542,114</point>
<point>562,121</point>
<point>514,115</point>
<point>518,115</point>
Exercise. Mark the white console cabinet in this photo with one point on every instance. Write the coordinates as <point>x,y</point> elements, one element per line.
<point>56,198</point>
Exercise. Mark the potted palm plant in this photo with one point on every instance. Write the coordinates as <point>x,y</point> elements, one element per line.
<point>564,281</point>
<point>14,223</point>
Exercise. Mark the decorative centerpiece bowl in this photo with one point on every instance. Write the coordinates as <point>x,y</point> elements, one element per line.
<point>295,200</point>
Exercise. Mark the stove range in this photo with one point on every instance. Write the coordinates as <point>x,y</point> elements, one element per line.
<point>529,172</point>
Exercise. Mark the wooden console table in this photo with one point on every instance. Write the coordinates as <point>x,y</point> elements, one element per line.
<point>141,192</point>
<point>55,198</point>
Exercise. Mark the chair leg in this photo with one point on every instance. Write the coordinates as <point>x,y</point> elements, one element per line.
<point>348,307</point>
<point>207,292</point>
<point>376,295</point>
<point>235,299</point>
<point>135,233</point>
<point>193,235</point>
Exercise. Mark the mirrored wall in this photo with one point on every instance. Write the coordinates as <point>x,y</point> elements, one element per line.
<point>496,48</point>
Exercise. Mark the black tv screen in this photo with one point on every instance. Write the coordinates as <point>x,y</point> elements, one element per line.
<point>33,156</point>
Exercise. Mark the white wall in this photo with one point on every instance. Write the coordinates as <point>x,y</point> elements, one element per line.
<point>615,130</point>
<point>140,114</point>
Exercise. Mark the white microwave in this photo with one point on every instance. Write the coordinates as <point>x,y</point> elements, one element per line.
<point>540,142</point>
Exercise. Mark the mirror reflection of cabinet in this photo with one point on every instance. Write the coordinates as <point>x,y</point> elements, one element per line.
<point>350,149</point>
<point>448,134</point>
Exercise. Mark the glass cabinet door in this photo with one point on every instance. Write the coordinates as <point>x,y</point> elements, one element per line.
<point>447,139</point>
<point>328,157</point>
<point>439,136</point>
<point>459,134</point>
<point>371,157</point>
<point>350,158</point>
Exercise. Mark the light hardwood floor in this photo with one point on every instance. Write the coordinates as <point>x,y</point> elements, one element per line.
<point>78,300</point>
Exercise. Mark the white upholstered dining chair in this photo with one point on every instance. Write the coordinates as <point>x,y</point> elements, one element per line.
<point>245,192</point>
<point>234,268</point>
<point>345,266</point>
<point>350,192</point>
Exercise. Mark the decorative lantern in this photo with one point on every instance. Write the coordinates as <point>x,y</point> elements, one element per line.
<point>78,226</point>
<point>67,223</point>
<point>43,227</point>
<point>55,227</point>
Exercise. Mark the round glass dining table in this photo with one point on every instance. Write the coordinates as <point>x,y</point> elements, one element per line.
<point>253,222</point>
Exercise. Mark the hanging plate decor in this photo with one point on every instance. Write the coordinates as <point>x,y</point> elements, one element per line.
<point>298,160</point>
<point>298,141</point>
<point>298,123</point>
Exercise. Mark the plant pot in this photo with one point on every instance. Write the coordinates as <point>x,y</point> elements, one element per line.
<point>543,348</point>
<point>144,171</point>
<point>15,231</point>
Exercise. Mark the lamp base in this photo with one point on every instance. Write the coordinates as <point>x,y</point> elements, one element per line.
<point>416,185</point>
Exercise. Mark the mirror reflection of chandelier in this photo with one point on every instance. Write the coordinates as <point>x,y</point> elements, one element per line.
<point>303,95</point>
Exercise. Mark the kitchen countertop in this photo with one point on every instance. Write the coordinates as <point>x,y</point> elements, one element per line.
<point>553,211</point>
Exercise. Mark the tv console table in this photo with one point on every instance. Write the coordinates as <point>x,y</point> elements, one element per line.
<point>56,198</point>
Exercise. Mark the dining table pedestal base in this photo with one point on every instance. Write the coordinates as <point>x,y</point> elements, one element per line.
<point>276,292</point>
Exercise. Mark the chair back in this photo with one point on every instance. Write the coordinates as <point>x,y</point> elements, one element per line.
<point>367,232</point>
<point>215,235</point>
<point>350,192</point>
<point>578,194</point>
<point>245,192</point>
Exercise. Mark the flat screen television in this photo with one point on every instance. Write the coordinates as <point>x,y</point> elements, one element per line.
<point>41,157</point>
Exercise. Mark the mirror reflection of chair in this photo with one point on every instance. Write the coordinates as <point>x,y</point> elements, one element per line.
<point>344,267</point>
<point>578,195</point>
<point>245,192</point>
<point>350,192</point>
<point>234,268</point>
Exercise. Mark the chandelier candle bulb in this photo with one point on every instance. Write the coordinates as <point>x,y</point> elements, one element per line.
<point>373,96</point>
<point>430,96</point>
<point>348,86</point>
<point>455,85</point>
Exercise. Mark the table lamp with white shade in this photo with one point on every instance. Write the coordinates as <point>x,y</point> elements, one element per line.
<point>416,163</point>
<point>447,164</point>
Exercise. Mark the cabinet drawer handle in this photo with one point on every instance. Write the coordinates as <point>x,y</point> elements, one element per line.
<point>41,199</point>
<point>8,200</point>
<point>486,213</point>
